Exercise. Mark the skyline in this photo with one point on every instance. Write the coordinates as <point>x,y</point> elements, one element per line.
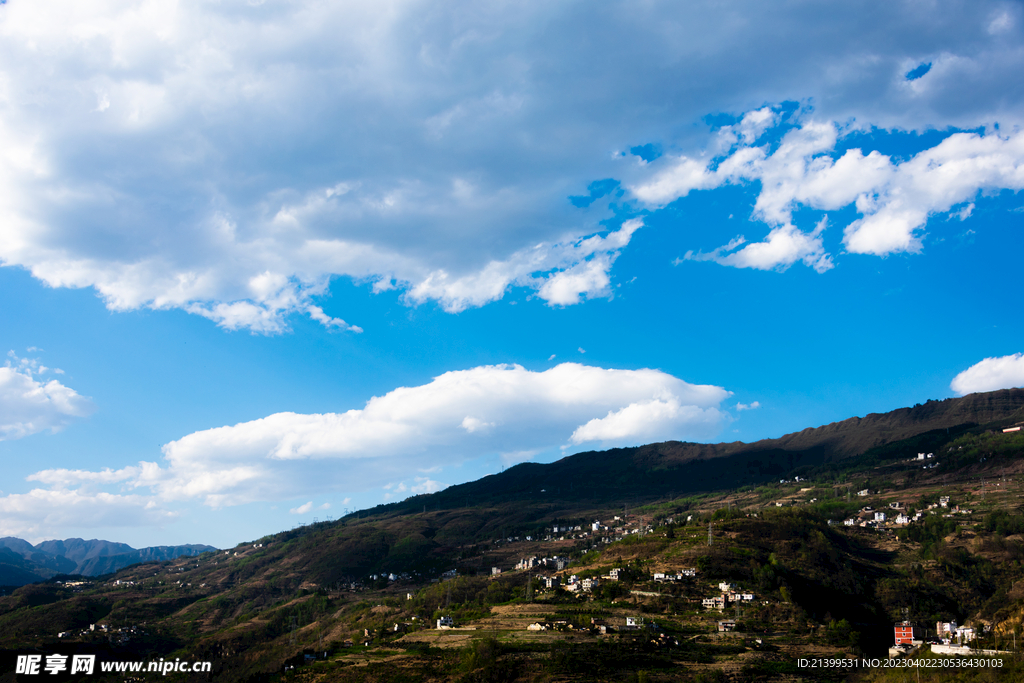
<point>267,262</point>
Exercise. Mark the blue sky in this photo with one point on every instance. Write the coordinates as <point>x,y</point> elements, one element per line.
<point>266,262</point>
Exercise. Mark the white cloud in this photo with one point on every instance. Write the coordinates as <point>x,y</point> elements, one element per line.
<point>515,457</point>
<point>426,485</point>
<point>784,246</point>
<point>502,410</point>
<point>560,272</point>
<point>302,509</point>
<point>63,478</point>
<point>228,159</point>
<point>43,513</point>
<point>748,406</point>
<point>30,404</point>
<point>934,181</point>
<point>653,420</point>
<point>1004,372</point>
<point>308,507</point>
<point>895,199</point>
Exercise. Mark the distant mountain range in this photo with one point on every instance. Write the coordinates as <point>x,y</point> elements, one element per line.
<point>22,563</point>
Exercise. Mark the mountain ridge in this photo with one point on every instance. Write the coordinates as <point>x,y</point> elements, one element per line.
<point>652,470</point>
<point>21,562</point>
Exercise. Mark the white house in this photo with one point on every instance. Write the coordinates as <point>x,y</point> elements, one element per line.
<point>721,602</point>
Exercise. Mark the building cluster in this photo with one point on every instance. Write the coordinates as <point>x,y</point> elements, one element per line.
<point>949,633</point>
<point>905,634</point>
<point>730,594</point>
<point>869,517</point>
<point>897,514</point>
<point>926,460</point>
<point>392,577</point>
<point>118,636</point>
<point>575,584</point>
<point>600,626</point>
<point>599,532</point>
<point>685,573</point>
<point>556,563</point>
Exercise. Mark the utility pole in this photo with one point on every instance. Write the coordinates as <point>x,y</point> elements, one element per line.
<point>709,533</point>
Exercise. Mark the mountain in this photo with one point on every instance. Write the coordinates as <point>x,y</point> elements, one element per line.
<point>79,550</point>
<point>15,570</point>
<point>857,435</point>
<point>21,562</point>
<point>617,477</point>
<point>107,564</point>
<point>644,473</point>
<point>824,588</point>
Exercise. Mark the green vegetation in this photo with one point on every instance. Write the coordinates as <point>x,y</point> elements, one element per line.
<point>318,598</point>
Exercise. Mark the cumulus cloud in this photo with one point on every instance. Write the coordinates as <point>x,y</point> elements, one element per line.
<point>573,269</point>
<point>748,406</point>
<point>653,420</point>
<point>308,507</point>
<point>44,512</point>
<point>30,404</point>
<point>229,159</point>
<point>895,199</point>
<point>1004,372</point>
<point>502,410</point>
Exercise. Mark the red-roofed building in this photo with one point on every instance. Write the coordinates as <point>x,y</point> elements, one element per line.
<point>907,634</point>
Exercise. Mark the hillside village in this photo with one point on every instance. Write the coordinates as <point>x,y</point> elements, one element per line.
<point>876,561</point>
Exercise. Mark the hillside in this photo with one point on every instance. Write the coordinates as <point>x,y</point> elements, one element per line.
<point>363,590</point>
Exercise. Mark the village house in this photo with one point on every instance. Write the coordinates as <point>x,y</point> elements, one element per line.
<point>719,603</point>
<point>945,630</point>
<point>906,633</point>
